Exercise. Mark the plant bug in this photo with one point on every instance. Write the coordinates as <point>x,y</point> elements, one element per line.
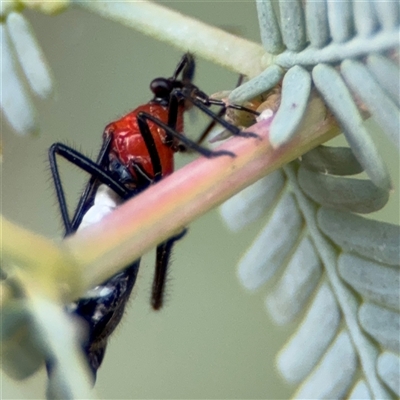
<point>137,151</point>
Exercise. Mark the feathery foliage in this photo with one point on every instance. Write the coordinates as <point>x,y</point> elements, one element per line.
<point>336,273</point>
<point>317,247</point>
<point>334,270</point>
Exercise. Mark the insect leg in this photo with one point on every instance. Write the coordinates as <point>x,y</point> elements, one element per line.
<point>207,101</point>
<point>163,252</point>
<point>183,139</point>
<point>151,145</point>
<point>59,191</point>
<point>187,66</point>
<point>143,178</point>
<point>162,261</point>
<point>102,158</point>
<point>202,105</point>
<point>210,126</point>
<point>78,159</point>
<point>220,114</point>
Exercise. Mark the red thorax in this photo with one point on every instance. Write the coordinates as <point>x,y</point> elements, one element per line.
<point>129,147</point>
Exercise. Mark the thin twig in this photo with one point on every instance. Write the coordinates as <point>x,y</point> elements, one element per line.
<point>188,34</point>
<point>97,252</point>
<point>167,207</point>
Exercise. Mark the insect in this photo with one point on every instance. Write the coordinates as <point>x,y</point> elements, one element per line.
<point>137,151</point>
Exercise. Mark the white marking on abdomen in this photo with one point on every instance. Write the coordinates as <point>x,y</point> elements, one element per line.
<point>105,202</point>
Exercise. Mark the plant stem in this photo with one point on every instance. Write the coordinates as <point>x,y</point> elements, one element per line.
<point>97,252</point>
<point>214,44</point>
<point>165,208</point>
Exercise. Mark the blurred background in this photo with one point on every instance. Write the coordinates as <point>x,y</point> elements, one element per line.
<point>212,339</point>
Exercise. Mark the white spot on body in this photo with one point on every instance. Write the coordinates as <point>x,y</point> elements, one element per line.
<point>266,114</point>
<point>98,291</point>
<point>105,201</point>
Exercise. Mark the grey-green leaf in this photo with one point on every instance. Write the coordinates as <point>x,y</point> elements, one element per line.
<point>375,240</point>
<point>270,31</point>
<point>333,376</point>
<point>382,324</point>
<point>365,18</point>
<point>388,13</point>
<point>337,96</point>
<point>249,204</point>
<point>382,108</point>
<point>70,378</point>
<point>15,101</point>
<point>331,160</point>
<point>30,55</point>
<point>261,260</point>
<point>340,16</point>
<point>336,52</point>
<point>296,87</point>
<point>317,23</point>
<point>260,84</point>
<point>355,195</point>
<point>389,370</point>
<point>21,355</point>
<point>295,286</point>
<point>373,281</point>
<point>360,391</point>
<point>293,24</point>
<point>300,355</point>
<point>387,75</point>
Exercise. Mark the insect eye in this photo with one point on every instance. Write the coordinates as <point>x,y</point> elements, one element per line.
<point>161,87</point>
